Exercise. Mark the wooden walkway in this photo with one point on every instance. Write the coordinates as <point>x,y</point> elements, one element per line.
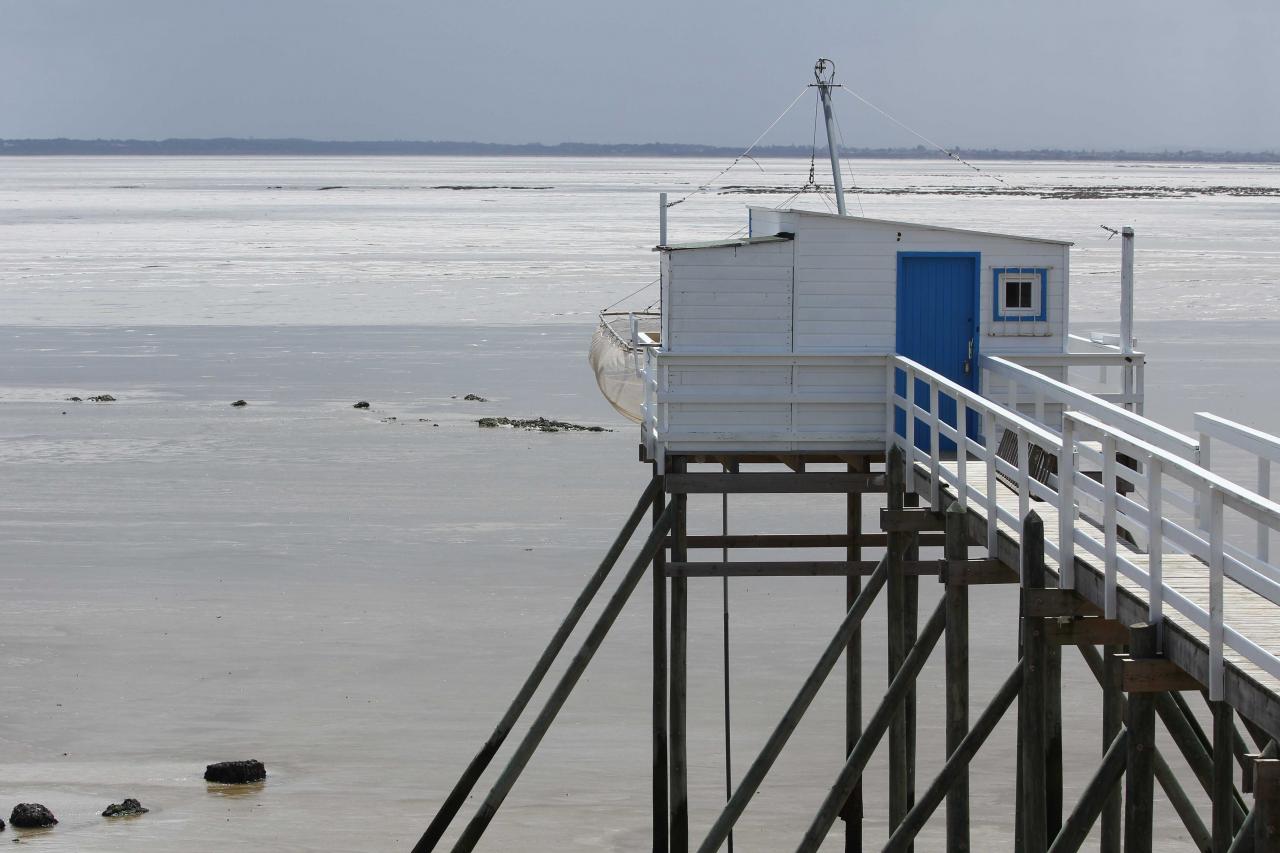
<point>1249,689</point>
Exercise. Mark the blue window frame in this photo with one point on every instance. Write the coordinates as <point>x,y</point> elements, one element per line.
<point>1020,293</point>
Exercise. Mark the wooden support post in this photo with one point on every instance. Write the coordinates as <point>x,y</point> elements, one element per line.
<point>462,789</point>
<point>1266,806</point>
<point>957,680</point>
<point>956,767</point>
<point>1112,717</point>
<point>759,768</point>
<point>660,770</point>
<point>895,618</point>
<point>1222,781</point>
<point>853,664</point>
<point>1139,777</point>
<point>1053,735</point>
<point>874,731</point>
<point>560,694</point>
<point>1031,710</point>
<point>678,760</point>
<point>1094,798</point>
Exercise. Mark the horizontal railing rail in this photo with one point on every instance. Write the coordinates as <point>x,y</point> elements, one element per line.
<point>1095,518</point>
<point>1264,448</point>
<point>1043,389</point>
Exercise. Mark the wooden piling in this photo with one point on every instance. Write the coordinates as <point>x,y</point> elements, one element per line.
<point>1095,797</point>
<point>875,729</point>
<point>1266,806</point>
<point>678,744</point>
<point>463,787</point>
<point>759,768</point>
<point>1140,721</point>
<point>1222,780</point>
<point>1112,717</point>
<point>853,662</point>
<point>660,769</point>
<point>895,618</point>
<point>560,694</point>
<point>1031,710</point>
<point>957,680</point>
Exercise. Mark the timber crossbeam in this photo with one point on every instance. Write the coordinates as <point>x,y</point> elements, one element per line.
<point>1154,675</point>
<point>1051,603</point>
<point>773,482</point>
<point>974,572</point>
<point>799,540</point>
<point>1086,631</point>
<point>809,568</point>
<point>911,520</point>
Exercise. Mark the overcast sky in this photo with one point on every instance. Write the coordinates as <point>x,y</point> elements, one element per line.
<point>1136,74</point>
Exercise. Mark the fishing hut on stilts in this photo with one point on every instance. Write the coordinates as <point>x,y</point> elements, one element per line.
<point>929,371</point>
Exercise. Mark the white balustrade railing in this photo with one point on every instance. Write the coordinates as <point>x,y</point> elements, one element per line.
<point>1264,448</point>
<point>1100,442</point>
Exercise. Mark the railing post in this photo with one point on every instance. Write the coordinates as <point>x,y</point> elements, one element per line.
<point>1155,539</point>
<point>935,447</point>
<point>1264,489</point>
<point>1216,616</point>
<point>993,515</point>
<point>962,453</point>
<point>1205,461</point>
<point>1024,473</point>
<point>1109,523</point>
<point>1067,505</point>
<point>910,406</point>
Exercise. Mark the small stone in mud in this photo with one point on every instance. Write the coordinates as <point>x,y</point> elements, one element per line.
<point>100,398</point>
<point>389,420</point>
<point>476,398</point>
<point>129,807</point>
<point>235,772</point>
<point>74,400</point>
<point>239,404</point>
<point>363,404</point>
<point>31,816</point>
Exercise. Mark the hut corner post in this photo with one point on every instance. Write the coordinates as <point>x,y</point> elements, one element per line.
<point>1031,707</point>
<point>678,766</point>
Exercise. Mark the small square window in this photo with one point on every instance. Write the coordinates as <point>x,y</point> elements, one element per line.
<point>1020,294</point>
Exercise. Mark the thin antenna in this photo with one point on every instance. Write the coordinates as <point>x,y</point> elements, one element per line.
<point>825,73</point>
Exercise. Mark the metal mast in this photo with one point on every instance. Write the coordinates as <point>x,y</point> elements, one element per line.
<point>825,73</point>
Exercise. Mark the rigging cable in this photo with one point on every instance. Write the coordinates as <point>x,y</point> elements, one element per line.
<point>633,293</point>
<point>736,160</point>
<point>921,136</point>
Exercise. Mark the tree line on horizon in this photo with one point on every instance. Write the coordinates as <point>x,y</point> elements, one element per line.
<point>285,147</point>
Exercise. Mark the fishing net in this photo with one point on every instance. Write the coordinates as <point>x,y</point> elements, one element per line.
<point>617,359</point>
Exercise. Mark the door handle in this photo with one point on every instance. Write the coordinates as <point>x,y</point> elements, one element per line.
<point>968,361</point>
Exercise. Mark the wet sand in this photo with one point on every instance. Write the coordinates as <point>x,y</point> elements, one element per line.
<point>353,601</point>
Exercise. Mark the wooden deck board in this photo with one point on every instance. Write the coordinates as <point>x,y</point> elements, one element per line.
<point>1252,690</point>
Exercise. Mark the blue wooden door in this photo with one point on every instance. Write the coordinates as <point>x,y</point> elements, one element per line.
<point>937,326</point>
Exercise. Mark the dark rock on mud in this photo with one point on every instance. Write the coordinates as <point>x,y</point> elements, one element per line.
<point>74,400</point>
<point>31,816</point>
<point>538,425</point>
<point>476,398</point>
<point>235,772</point>
<point>129,807</point>
<point>102,398</point>
<point>239,404</point>
<point>363,404</point>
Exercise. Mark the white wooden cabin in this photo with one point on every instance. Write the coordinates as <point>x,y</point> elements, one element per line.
<point>779,341</point>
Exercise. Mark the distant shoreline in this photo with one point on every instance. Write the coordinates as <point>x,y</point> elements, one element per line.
<point>310,147</point>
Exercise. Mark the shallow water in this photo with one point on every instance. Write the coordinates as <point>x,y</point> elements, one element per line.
<point>353,599</point>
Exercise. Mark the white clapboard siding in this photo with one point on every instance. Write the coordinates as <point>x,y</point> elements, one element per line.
<point>735,298</point>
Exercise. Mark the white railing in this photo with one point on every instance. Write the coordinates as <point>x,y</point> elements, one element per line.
<point>1091,443</point>
<point>1040,390</point>
<point>1264,448</point>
